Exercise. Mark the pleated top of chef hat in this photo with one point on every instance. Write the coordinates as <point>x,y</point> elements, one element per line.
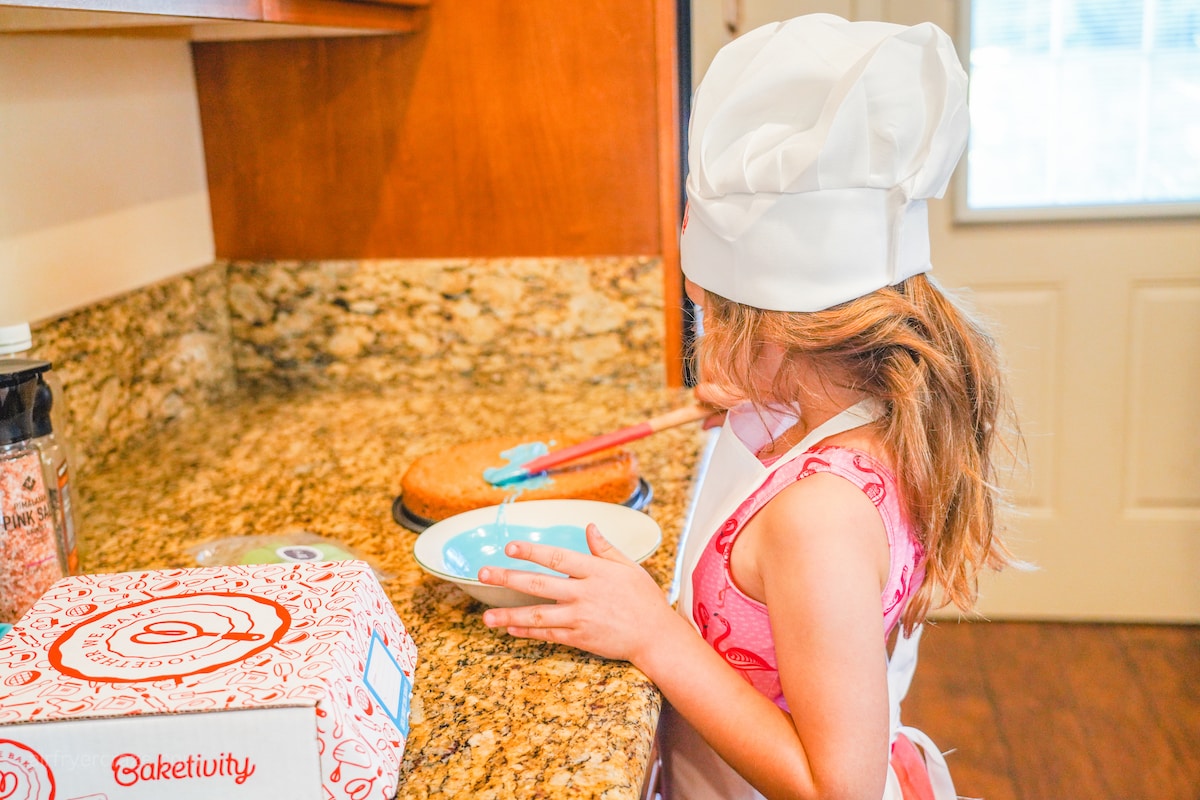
<point>813,146</point>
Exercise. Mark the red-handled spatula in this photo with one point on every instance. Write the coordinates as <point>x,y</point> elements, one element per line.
<point>498,476</point>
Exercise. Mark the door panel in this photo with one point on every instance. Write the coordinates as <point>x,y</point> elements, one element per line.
<point>1108,497</point>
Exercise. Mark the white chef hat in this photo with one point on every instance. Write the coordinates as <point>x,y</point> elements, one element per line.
<point>813,146</point>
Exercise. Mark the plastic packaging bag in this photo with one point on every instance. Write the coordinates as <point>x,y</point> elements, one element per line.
<point>284,547</point>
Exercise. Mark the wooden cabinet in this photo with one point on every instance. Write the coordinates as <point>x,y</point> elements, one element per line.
<point>498,129</point>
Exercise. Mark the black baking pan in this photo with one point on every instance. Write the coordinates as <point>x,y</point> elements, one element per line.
<point>638,501</point>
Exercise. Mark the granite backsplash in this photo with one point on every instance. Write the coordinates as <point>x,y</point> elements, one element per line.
<point>131,364</point>
<point>454,324</point>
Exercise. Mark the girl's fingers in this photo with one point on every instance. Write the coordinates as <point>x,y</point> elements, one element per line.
<point>526,621</point>
<point>603,548</point>
<point>571,563</point>
<point>534,583</point>
<point>559,559</point>
<point>544,634</point>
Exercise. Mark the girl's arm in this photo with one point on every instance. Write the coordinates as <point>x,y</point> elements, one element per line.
<point>824,602</point>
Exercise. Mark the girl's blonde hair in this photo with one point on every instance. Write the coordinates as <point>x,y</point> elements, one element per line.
<point>938,374</point>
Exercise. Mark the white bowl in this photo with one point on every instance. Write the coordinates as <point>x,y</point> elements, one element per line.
<point>632,532</point>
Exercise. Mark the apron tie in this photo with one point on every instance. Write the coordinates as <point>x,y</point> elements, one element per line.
<point>902,665</point>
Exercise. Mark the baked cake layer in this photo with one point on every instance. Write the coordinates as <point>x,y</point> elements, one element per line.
<point>442,484</point>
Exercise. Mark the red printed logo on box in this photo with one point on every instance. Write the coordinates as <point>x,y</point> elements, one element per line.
<point>24,775</point>
<point>169,637</point>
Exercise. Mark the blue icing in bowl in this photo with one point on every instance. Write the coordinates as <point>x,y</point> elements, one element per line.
<point>483,546</point>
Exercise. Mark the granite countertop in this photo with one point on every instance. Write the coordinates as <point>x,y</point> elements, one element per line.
<point>492,717</point>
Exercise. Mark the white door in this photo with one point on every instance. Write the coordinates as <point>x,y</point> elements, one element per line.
<point>1100,325</point>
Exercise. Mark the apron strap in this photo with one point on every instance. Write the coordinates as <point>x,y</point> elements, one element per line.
<point>902,665</point>
<point>857,415</point>
<point>689,518</point>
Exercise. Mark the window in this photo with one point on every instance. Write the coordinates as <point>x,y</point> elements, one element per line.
<point>1081,108</point>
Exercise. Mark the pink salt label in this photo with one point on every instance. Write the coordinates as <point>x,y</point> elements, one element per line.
<point>28,553</point>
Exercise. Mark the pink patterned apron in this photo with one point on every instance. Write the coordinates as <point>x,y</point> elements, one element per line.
<point>692,770</point>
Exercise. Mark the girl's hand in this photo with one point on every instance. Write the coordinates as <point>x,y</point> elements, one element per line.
<point>608,605</point>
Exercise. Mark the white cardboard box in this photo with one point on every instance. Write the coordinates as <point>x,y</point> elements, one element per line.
<point>272,681</point>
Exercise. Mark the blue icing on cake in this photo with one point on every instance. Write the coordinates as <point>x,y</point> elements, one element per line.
<point>517,457</point>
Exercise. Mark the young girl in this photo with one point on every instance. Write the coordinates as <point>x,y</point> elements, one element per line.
<point>851,488</point>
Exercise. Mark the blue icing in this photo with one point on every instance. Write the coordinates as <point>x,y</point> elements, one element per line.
<point>518,456</point>
<point>468,552</point>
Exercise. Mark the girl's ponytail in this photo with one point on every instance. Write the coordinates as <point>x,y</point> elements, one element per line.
<point>943,432</point>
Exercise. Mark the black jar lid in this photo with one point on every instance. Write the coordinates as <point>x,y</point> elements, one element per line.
<point>19,370</point>
<point>18,392</point>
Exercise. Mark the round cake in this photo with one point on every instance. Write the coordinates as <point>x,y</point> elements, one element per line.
<point>448,482</point>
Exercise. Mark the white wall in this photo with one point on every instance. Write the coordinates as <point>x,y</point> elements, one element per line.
<point>712,20</point>
<point>102,181</point>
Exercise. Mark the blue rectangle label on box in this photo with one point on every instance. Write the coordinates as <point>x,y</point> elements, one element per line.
<point>387,683</point>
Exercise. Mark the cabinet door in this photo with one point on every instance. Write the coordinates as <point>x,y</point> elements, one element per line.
<point>500,129</point>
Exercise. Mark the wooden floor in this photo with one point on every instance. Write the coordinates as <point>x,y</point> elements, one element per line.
<point>1048,711</point>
